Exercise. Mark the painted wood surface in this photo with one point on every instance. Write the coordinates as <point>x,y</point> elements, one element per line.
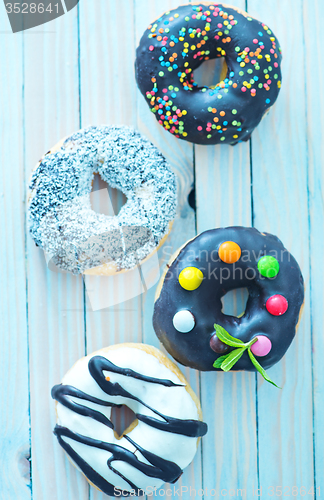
<point>55,300</point>
<point>77,71</point>
<point>14,388</point>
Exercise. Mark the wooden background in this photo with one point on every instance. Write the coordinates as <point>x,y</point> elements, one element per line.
<point>79,70</point>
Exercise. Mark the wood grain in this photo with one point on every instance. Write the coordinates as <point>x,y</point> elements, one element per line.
<point>313,15</point>
<point>279,160</point>
<point>223,187</point>
<point>180,156</point>
<point>14,388</point>
<point>55,301</point>
<point>108,95</point>
<point>79,70</point>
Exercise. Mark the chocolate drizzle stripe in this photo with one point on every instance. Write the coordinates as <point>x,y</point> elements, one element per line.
<point>160,468</point>
<point>61,393</point>
<point>98,363</point>
<point>190,428</point>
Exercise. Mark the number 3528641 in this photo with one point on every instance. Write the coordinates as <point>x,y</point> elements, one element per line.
<point>31,8</point>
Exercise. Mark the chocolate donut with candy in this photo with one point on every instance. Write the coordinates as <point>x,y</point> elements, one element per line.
<point>188,307</point>
<point>177,43</point>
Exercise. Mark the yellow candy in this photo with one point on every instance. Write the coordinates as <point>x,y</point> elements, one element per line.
<point>190,278</point>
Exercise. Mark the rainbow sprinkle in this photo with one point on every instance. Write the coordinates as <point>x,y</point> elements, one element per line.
<point>182,39</point>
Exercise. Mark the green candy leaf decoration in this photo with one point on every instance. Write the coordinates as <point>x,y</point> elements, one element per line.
<point>219,361</point>
<point>225,337</point>
<point>232,358</point>
<point>227,361</point>
<point>260,369</point>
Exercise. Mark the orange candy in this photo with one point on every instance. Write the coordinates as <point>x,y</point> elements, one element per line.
<point>229,252</point>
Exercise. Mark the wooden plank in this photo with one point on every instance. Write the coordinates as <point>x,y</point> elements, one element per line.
<point>180,156</point>
<point>223,199</point>
<point>108,96</point>
<point>14,390</point>
<point>55,301</point>
<point>313,14</point>
<point>279,161</point>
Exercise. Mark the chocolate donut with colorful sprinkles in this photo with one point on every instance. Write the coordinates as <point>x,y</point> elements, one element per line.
<point>178,42</point>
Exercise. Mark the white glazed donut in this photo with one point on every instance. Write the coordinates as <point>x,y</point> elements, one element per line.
<point>156,447</point>
<point>61,219</point>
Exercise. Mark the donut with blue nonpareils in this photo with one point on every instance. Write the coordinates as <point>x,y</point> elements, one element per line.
<point>61,221</point>
<point>156,447</point>
<point>177,43</point>
<point>188,317</point>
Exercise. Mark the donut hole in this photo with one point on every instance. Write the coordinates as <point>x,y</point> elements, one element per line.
<point>210,73</point>
<point>234,302</point>
<point>104,199</point>
<point>122,417</point>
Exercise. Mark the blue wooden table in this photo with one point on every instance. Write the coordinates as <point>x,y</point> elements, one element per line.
<point>79,70</point>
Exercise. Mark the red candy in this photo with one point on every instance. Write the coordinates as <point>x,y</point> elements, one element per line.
<point>277,305</point>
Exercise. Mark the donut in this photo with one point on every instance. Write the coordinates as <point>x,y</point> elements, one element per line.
<point>60,217</point>
<point>156,447</point>
<point>178,42</point>
<point>188,299</point>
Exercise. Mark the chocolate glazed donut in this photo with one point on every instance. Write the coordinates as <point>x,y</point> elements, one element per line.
<point>206,268</point>
<point>179,42</point>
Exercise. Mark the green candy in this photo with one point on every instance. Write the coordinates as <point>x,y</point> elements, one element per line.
<point>268,266</point>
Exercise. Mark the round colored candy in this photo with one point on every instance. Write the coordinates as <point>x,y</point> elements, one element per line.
<point>268,266</point>
<point>262,347</point>
<point>183,321</point>
<point>190,278</point>
<point>229,252</point>
<point>218,346</point>
<point>277,305</point>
